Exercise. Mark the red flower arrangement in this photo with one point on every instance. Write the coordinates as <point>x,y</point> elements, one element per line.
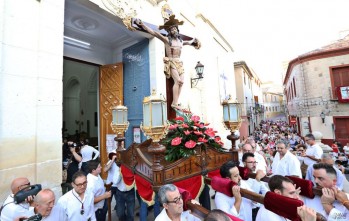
<point>186,133</point>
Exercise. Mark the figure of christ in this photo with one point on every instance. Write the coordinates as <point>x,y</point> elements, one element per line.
<point>173,65</point>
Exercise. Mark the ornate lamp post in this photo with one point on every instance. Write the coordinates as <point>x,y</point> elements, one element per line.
<point>232,118</point>
<point>155,125</point>
<point>119,124</point>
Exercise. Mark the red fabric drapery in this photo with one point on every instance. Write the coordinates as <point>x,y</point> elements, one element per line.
<point>282,205</point>
<point>127,177</point>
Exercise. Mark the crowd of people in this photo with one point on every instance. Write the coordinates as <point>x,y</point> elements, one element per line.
<point>274,150</point>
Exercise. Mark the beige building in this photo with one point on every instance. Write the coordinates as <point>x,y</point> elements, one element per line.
<point>316,87</point>
<point>249,94</point>
<point>60,62</point>
<point>273,101</point>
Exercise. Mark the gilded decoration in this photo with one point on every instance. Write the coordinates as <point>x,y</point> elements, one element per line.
<point>124,9</point>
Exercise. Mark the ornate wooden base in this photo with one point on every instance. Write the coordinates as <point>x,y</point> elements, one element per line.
<point>148,162</point>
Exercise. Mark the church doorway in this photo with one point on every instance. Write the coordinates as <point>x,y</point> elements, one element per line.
<point>80,101</point>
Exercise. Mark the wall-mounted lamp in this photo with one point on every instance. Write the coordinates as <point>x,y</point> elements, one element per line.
<point>199,68</point>
<point>322,115</point>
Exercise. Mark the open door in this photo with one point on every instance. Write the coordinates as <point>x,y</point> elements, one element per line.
<point>110,93</point>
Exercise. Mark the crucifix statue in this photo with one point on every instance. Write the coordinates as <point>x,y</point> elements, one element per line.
<point>173,65</point>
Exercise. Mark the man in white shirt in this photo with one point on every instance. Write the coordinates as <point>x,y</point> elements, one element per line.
<point>283,186</point>
<point>255,184</point>
<point>261,165</point>
<point>326,158</point>
<point>172,201</point>
<point>77,204</point>
<point>314,151</point>
<point>333,203</point>
<point>236,205</point>
<point>11,210</point>
<point>44,204</point>
<point>95,185</point>
<point>285,163</point>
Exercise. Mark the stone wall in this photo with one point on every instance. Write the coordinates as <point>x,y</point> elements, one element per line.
<point>31,63</point>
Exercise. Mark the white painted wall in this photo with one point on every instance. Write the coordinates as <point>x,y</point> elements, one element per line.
<point>31,44</point>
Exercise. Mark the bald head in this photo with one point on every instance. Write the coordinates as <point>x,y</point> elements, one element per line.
<point>247,148</point>
<point>44,202</point>
<point>19,184</point>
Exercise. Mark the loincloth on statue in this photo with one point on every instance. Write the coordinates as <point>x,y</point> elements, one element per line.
<point>174,63</point>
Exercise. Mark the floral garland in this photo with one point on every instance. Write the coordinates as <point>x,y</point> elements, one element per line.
<point>185,133</point>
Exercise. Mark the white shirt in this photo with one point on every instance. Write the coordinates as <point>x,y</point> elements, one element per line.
<point>226,204</point>
<point>267,215</point>
<point>289,165</point>
<point>11,210</point>
<point>113,174</point>
<point>54,215</point>
<point>86,153</point>
<point>346,149</point>
<point>338,213</point>
<point>257,187</point>
<point>261,165</point>
<point>69,206</point>
<point>185,216</point>
<point>95,185</point>
<point>315,151</point>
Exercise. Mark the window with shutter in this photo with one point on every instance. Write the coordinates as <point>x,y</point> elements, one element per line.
<point>339,77</point>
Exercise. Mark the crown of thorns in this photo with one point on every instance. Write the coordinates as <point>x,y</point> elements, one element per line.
<point>172,21</point>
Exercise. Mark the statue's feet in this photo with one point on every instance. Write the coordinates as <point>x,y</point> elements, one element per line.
<point>176,106</point>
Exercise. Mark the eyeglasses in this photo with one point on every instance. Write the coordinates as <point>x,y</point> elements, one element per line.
<point>81,184</point>
<point>24,186</point>
<point>307,140</point>
<point>301,150</point>
<point>175,200</point>
<point>252,162</point>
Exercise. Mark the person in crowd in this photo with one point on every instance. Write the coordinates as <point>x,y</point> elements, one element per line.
<point>65,150</point>
<point>73,166</point>
<point>95,185</point>
<point>346,149</point>
<point>326,158</point>
<point>124,198</point>
<point>217,215</point>
<point>314,151</point>
<point>10,209</point>
<point>87,152</point>
<point>236,205</point>
<point>333,203</point>
<point>44,204</point>
<point>77,204</point>
<point>261,165</point>
<point>306,213</point>
<point>283,186</point>
<point>292,141</point>
<point>255,184</point>
<point>285,163</point>
<point>172,203</point>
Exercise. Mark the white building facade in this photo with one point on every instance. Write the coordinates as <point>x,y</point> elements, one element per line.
<point>38,77</point>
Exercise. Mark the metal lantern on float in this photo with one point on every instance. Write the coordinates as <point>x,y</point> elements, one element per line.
<point>119,123</point>
<point>154,125</point>
<point>232,118</point>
